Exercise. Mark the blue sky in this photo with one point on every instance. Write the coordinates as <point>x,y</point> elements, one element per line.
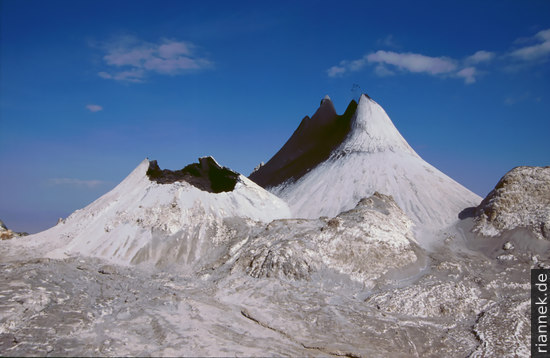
<point>88,89</point>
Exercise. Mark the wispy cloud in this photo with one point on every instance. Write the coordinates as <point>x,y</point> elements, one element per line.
<point>174,49</point>
<point>413,62</point>
<point>94,108</point>
<point>533,50</point>
<point>480,56</point>
<point>131,60</point>
<point>388,62</point>
<point>134,75</point>
<point>336,71</point>
<point>77,182</point>
<point>468,74</point>
<point>537,51</point>
<point>523,97</point>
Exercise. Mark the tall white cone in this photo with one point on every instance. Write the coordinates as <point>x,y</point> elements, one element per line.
<point>374,156</point>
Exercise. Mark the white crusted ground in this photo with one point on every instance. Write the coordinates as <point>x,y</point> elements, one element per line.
<point>463,304</point>
<point>362,244</point>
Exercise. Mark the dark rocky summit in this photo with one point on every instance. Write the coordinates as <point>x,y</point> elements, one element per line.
<point>311,144</point>
<point>207,175</point>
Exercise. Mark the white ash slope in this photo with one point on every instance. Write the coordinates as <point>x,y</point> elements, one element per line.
<point>349,286</point>
<point>362,244</point>
<point>375,157</point>
<point>143,221</point>
<point>521,199</point>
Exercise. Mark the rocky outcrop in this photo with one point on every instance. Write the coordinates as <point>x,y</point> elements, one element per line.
<point>521,199</point>
<point>363,243</point>
<point>6,234</point>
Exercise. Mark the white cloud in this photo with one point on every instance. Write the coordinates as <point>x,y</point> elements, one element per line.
<point>133,75</point>
<point>134,59</point>
<point>128,57</point>
<point>336,71</point>
<point>537,51</point>
<point>104,75</point>
<point>413,62</point>
<point>172,66</point>
<point>94,108</point>
<point>356,65</point>
<point>387,63</point>
<point>174,49</point>
<point>468,74</point>
<point>77,182</point>
<point>406,62</point>
<point>543,35</point>
<point>480,56</point>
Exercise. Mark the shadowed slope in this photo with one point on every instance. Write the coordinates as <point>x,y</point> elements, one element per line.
<point>311,144</point>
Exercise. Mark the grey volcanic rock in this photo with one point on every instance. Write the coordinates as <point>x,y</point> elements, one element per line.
<point>364,243</point>
<point>521,199</point>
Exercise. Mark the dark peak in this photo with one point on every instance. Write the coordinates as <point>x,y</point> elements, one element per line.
<point>208,162</point>
<point>325,113</point>
<point>304,123</point>
<point>350,110</point>
<point>312,143</point>
<point>206,175</point>
<point>326,100</point>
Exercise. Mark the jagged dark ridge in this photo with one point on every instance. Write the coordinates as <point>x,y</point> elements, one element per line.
<point>206,175</point>
<point>311,144</point>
